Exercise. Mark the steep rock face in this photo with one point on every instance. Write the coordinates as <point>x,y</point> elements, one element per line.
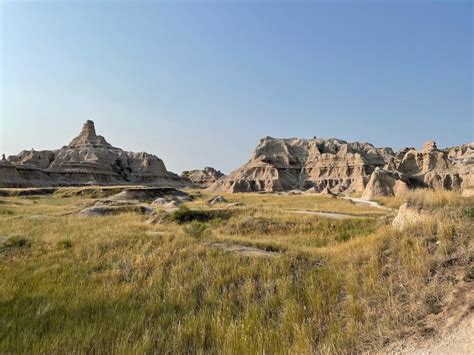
<point>287,164</point>
<point>204,177</point>
<point>462,160</point>
<point>88,159</point>
<point>415,162</point>
<point>8,171</point>
<point>447,169</point>
<point>344,167</point>
<point>384,183</point>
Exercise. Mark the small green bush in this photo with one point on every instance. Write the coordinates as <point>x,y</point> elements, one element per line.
<point>195,229</point>
<point>433,304</point>
<point>16,243</point>
<point>343,236</point>
<point>65,243</point>
<point>186,215</point>
<point>469,274</point>
<point>6,212</point>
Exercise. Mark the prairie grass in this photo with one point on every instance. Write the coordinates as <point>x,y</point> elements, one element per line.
<point>429,199</point>
<point>277,203</point>
<point>107,284</point>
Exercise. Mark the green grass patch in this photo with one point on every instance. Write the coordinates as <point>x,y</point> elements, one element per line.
<point>15,242</point>
<point>186,215</point>
<point>65,243</point>
<point>195,229</point>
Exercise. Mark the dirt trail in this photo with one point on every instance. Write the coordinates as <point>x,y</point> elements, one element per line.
<point>453,327</point>
<point>458,341</point>
<point>359,201</point>
<point>332,215</point>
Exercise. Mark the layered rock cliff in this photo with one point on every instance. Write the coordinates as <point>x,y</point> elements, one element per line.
<point>204,177</point>
<point>288,164</point>
<point>88,159</point>
<point>449,169</point>
<point>344,167</point>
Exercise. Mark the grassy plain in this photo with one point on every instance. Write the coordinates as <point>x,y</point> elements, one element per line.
<point>116,284</point>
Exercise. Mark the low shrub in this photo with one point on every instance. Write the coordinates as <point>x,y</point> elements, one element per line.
<point>195,229</point>
<point>433,304</point>
<point>469,276</point>
<point>6,212</point>
<point>16,243</point>
<point>65,243</point>
<point>186,215</point>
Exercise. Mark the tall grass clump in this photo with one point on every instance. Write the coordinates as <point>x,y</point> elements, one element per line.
<point>15,242</point>
<point>186,215</point>
<point>195,229</point>
<point>431,200</point>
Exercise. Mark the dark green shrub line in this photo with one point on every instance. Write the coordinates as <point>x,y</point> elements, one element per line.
<point>186,215</point>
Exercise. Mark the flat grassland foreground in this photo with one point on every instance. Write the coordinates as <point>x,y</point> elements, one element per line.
<point>244,276</point>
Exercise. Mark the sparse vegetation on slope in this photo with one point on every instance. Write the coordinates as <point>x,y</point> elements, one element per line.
<point>115,284</point>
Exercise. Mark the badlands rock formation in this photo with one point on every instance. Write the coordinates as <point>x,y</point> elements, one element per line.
<point>343,167</point>
<point>203,178</point>
<point>88,159</point>
<point>384,183</point>
<point>289,164</point>
<point>448,169</point>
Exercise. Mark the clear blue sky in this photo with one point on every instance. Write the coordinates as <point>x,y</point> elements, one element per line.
<point>198,83</point>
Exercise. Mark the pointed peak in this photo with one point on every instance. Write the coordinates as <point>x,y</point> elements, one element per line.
<point>429,146</point>
<point>88,138</point>
<point>88,128</point>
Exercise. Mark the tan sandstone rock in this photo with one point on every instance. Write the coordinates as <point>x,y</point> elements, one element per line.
<point>449,169</point>
<point>408,216</point>
<point>300,164</point>
<point>88,159</point>
<point>314,165</point>
<point>382,183</point>
<point>217,199</point>
<point>204,177</point>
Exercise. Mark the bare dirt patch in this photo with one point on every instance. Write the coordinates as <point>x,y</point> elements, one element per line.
<point>359,201</point>
<point>331,215</point>
<point>244,250</point>
<point>452,330</point>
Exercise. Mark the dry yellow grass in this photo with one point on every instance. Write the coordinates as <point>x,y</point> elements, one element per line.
<point>116,284</point>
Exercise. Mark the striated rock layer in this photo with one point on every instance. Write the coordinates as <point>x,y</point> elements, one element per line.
<point>203,178</point>
<point>344,167</point>
<point>289,164</point>
<point>88,159</point>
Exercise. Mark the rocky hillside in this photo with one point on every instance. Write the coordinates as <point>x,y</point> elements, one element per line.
<point>345,167</point>
<point>445,169</point>
<point>204,177</point>
<point>88,159</point>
